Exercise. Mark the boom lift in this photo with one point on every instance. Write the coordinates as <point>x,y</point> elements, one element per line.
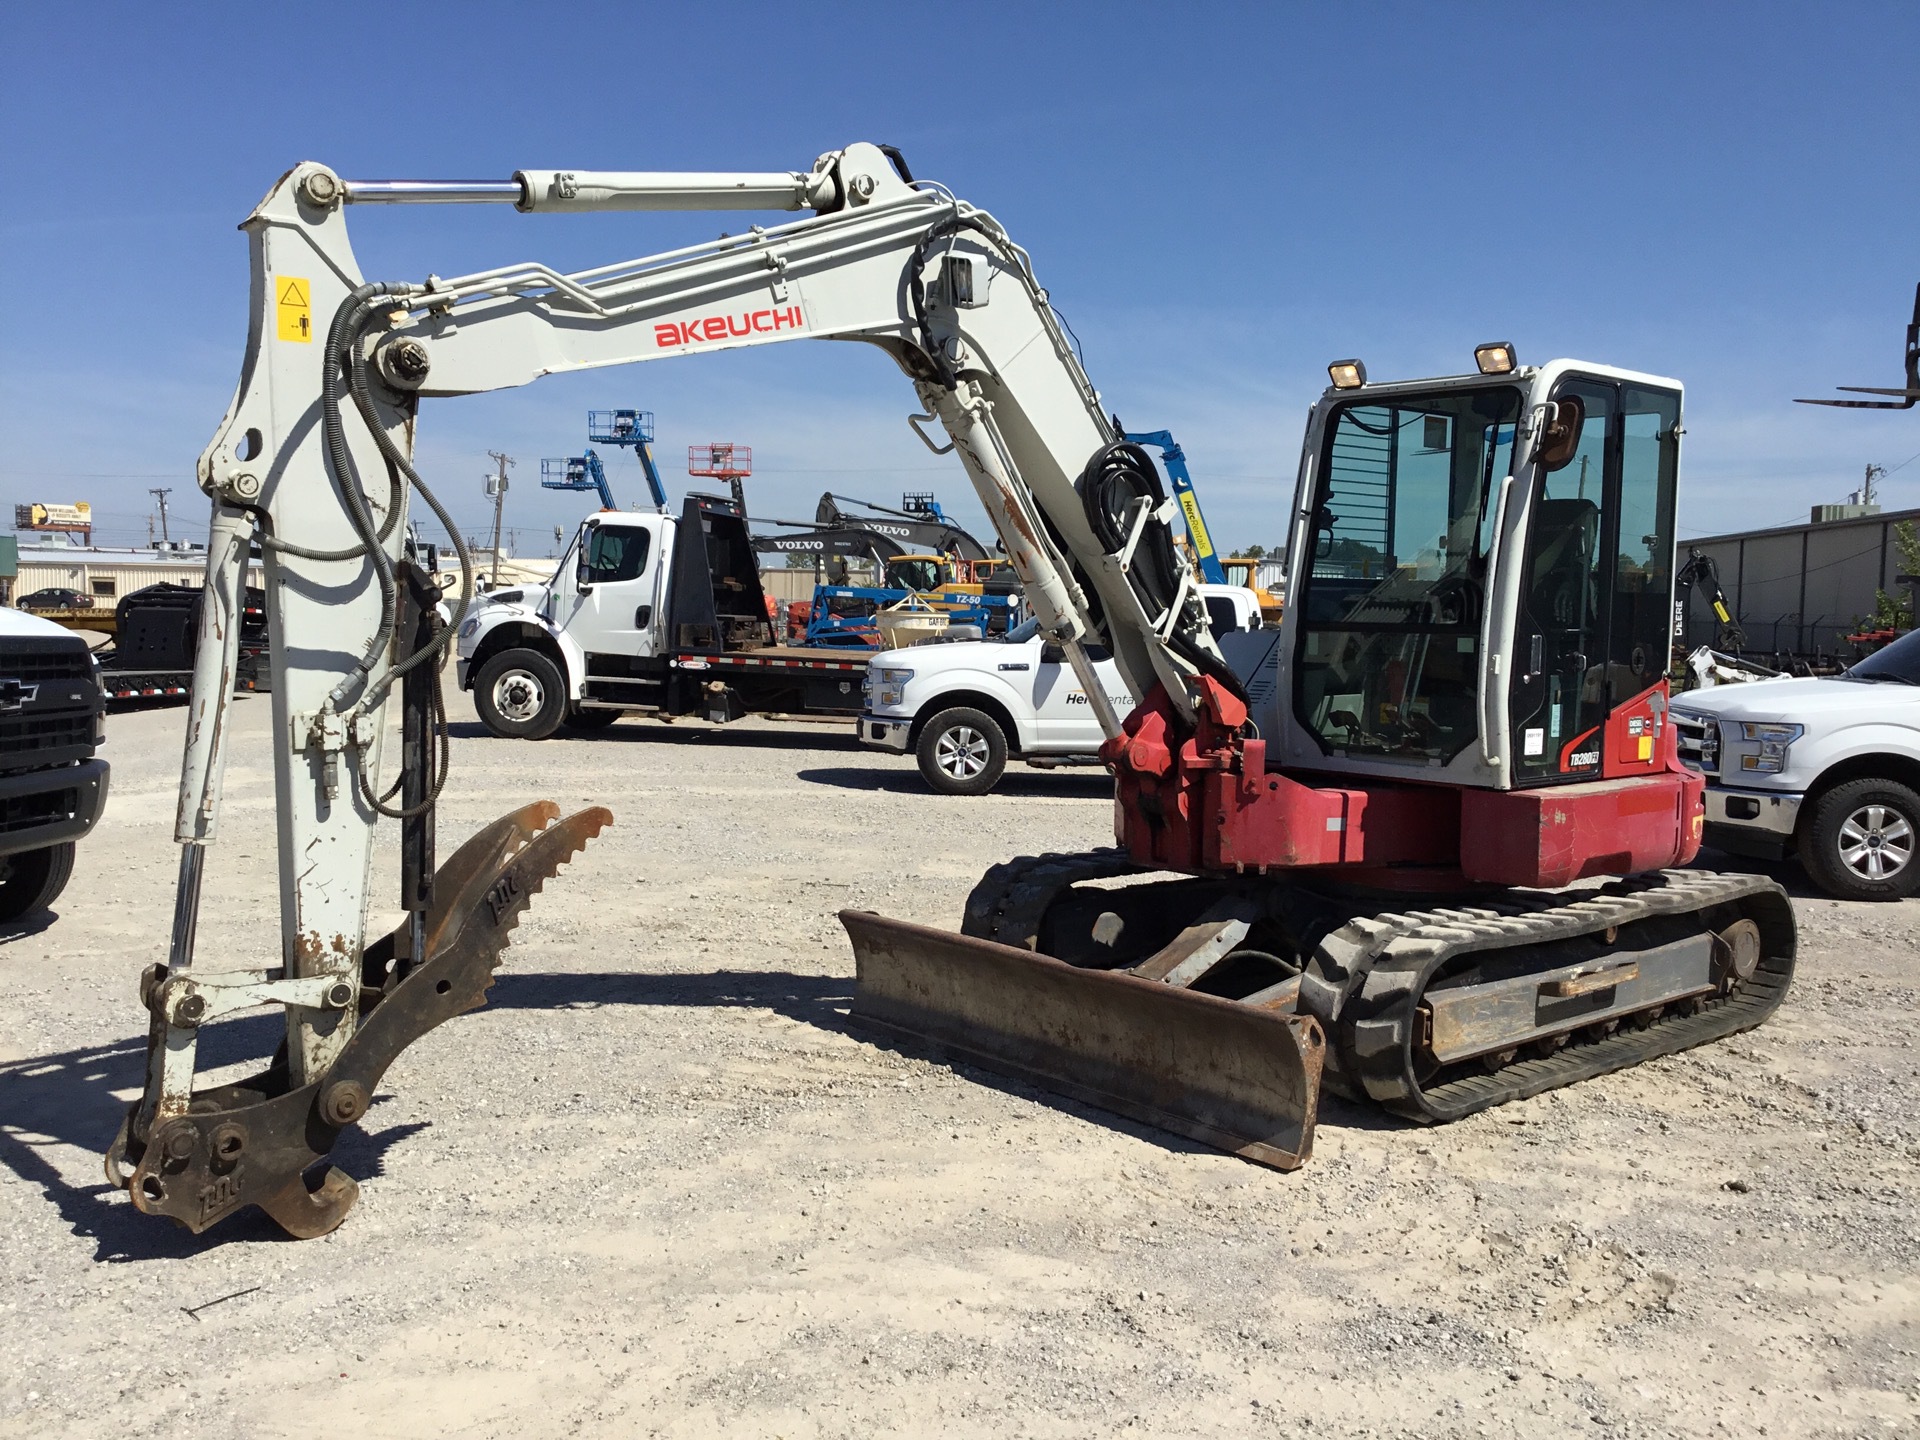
<point>585,472</point>
<point>1464,704</point>
<point>1198,536</point>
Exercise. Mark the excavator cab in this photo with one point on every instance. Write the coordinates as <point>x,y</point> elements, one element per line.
<point>1484,577</point>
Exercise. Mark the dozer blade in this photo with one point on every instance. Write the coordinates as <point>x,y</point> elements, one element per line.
<point>255,1143</point>
<point>1234,1076</point>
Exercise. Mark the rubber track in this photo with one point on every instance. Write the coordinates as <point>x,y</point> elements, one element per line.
<point>1399,953</point>
<point>1388,958</point>
<point>1011,900</point>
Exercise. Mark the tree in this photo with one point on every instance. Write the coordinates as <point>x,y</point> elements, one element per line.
<point>1895,612</point>
<point>1255,552</point>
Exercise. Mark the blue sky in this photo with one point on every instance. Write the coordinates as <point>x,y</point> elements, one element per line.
<point>1220,198</point>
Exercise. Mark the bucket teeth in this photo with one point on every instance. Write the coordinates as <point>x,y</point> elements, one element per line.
<point>257,1142</point>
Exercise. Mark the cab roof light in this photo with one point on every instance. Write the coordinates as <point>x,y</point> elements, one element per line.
<point>1347,374</point>
<point>1496,357</point>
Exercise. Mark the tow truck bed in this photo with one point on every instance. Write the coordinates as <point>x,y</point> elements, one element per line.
<point>769,679</point>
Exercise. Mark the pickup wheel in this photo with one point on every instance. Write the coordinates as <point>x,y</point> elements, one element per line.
<point>520,695</point>
<point>1861,839</point>
<point>962,751</point>
<point>33,880</point>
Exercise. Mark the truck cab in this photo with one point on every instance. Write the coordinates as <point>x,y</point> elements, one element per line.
<point>53,786</point>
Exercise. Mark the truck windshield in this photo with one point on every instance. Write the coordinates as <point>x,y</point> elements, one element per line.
<point>1397,570</point>
<point>1898,663</point>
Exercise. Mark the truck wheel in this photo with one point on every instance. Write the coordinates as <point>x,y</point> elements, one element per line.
<point>595,719</point>
<point>1860,842</point>
<point>520,695</point>
<point>962,752</point>
<point>33,880</point>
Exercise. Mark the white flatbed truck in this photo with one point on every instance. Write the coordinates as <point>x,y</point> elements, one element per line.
<point>646,613</point>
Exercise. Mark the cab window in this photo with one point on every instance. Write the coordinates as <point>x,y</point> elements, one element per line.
<point>914,574</point>
<point>616,553</point>
<point>1221,617</point>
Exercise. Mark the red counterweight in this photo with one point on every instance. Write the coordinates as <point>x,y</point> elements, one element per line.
<point>1205,802</point>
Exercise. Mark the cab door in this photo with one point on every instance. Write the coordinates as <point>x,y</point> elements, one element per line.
<point>1064,718</point>
<point>615,588</point>
<point>1595,595</point>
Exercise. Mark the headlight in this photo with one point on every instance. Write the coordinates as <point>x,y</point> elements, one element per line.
<point>888,686</point>
<point>1774,738</point>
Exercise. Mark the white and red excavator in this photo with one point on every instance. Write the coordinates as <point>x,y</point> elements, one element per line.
<point>1342,845</point>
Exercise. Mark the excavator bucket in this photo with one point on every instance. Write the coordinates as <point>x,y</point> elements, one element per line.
<point>262,1141</point>
<point>1241,1077</point>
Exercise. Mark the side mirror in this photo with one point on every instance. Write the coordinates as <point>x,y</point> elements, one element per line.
<point>1323,522</point>
<point>1052,654</point>
<point>583,576</point>
<point>1560,426</point>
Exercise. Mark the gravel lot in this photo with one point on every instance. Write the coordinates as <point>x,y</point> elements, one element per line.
<point>659,1187</point>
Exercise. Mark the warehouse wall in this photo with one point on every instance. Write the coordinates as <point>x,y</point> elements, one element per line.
<point>1801,588</point>
<point>107,578</point>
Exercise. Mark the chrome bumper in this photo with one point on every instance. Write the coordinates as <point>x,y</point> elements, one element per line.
<point>884,732</point>
<point>1753,810</point>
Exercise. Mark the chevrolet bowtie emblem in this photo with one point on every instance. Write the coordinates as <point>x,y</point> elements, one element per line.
<point>13,694</point>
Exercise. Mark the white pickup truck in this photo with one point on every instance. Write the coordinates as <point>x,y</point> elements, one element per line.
<point>1826,769</point>
<point>965,706</point>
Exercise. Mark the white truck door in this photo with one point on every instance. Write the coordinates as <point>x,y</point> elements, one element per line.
<point>1063,719</point>
<point>610,604</point>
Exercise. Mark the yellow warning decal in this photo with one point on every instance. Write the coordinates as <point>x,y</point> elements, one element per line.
<point>293,305</point>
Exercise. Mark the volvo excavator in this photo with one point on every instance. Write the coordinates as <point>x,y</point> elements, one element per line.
<point>1343,845</point>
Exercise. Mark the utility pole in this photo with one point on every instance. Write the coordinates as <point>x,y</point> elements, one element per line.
<point>1874,472</point>
<point>497,492</point>
<point>160,493</point>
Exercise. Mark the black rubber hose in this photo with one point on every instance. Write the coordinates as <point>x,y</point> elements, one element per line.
<point>397,460</point>
<point>917,289</point>
<point>343,337</point>
<point>1115,480</point>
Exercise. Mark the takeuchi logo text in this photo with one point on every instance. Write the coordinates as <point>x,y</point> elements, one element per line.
<point>723,327</point>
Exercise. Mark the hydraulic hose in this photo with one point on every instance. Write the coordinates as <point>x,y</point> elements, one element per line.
<point>1116,480</point>
<point>343,336</point>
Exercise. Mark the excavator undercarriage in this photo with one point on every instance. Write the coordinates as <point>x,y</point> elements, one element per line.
<point>1216,1008</point>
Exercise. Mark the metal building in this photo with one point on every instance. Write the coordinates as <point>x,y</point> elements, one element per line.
<point>1800,589</point>
<point>106,573</point>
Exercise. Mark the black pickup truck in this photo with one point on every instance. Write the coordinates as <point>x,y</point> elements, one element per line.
<point>52,785</point>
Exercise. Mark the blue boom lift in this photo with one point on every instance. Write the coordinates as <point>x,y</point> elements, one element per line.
<point>625,428</point>
<point>1175,461</point>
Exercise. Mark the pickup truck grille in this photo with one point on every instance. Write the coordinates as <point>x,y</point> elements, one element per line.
<point>30,740</point>
<point>1699,742</point>
<point>32,666</point>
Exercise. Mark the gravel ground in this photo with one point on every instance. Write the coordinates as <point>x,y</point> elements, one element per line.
<point>659,1187</point>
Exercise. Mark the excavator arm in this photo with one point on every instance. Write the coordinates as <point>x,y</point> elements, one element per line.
<point>313,465</point>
